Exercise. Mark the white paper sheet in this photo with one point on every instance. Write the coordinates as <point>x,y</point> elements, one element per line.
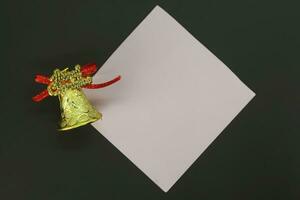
<point>174,99</point>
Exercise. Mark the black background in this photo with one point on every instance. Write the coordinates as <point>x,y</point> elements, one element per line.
<point>256,157</point>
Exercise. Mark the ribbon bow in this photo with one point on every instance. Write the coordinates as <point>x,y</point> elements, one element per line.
<point>80,77</point>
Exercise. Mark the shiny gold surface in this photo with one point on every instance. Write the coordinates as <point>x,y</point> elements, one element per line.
<point>62,80</point>
<point>76,110</point>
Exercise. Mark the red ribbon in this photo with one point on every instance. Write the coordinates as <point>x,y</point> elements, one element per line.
<point>40,96</point>
<point>86,70</point>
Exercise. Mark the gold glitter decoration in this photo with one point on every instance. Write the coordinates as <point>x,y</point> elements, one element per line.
<point>76,110</point>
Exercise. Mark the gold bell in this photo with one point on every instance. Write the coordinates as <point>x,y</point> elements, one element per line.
<point>75,108</point>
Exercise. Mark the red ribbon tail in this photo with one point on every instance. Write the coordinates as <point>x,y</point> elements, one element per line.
<point>42,79</point>
<point>102,85</point>
<point>40,96</point>
<point>88,69</point>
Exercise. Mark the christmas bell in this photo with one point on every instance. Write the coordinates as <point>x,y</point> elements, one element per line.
<point>75,108</point>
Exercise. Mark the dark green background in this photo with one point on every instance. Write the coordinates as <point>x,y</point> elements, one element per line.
<point>257,157</point>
